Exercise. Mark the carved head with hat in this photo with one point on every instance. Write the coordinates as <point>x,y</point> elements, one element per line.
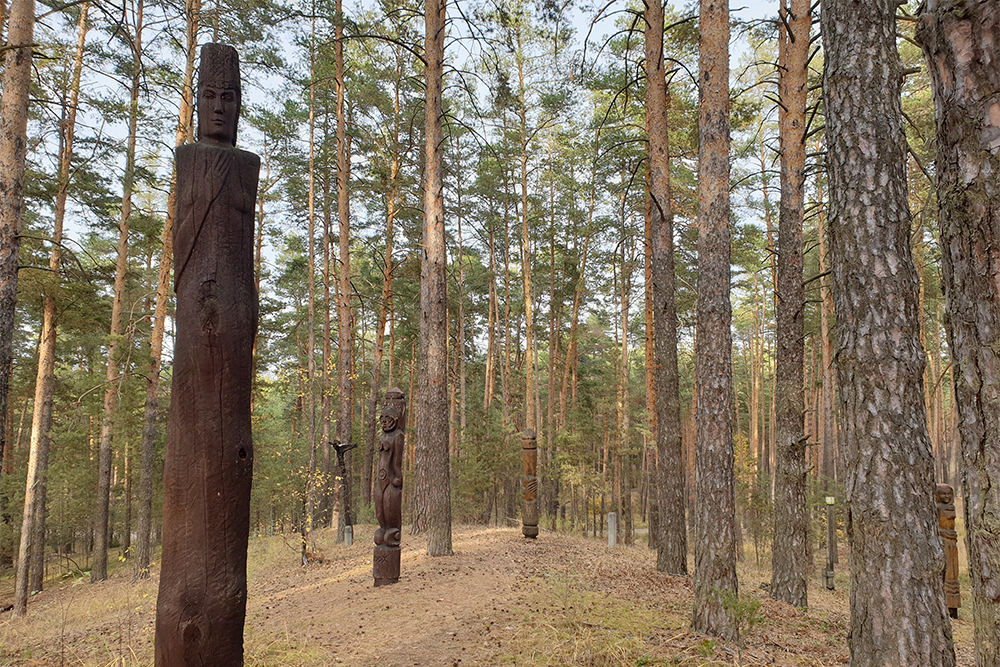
<point>219,94</point>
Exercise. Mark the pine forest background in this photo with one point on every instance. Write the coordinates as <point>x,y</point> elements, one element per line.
<point>545,166</point>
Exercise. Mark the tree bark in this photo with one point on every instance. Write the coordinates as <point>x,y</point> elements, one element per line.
<point>13,142</point>
<point>326,405</point>
<point>383,313</point>
<point>889,485</point>
<point>42,416</point>
<point>530,418</point>
<point>99,569</point>
<point>432,494</point>
<point>345,321</point>
<point>715,551</point>
<point>671,541</point>
<point>790,555</point>
<point>961,40</point>
<point>828,469</point>
<point>649,476</point>
<point>185,134</point>
<point>623,462</point>
<point>311,482</point>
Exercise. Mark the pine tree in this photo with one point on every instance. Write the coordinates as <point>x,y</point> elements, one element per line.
<point>889,482</point>
<point>715,549</point>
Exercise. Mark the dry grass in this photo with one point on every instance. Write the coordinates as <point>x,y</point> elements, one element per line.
<point>502,600</point>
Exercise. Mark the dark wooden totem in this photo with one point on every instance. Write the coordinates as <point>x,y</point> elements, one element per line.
<point>529,458</point>
<point>389,489</point>
<point>945,498</point>
<point>201,605</point>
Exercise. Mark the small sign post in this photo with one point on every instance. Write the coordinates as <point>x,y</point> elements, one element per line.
<point>831,543</point>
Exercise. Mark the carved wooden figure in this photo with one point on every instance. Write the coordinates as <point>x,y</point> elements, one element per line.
<point>341,450</point>
<point>201,605</point>
<point>389,489</point>
<point>529,458</point>
<point>945,497</point>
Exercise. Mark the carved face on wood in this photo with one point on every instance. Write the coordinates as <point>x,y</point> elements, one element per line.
<point>393,410</point>
<point>945,494</point>
<point>218,111</point>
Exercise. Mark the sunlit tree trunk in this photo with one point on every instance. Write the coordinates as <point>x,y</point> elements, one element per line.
<point>42,416</point>
<point>460,351</point>
<point>889,483</point>
<point>623,462</point>
<point>99,570</point>
<point>311,300</point>
<point>345,318</point>
<point>432,497</point>
<point>570,364</point>
<point>828,468</point>
<point>671,541</point>
<point>790,563</point>
<point>13,143</point>
<point>325,500</point>
<point>715,549</point>
<point>385,305</point>
<point>184,134</point>
<point>489,371</point>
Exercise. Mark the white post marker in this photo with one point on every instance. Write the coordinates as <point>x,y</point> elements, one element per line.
<point>831,543</point>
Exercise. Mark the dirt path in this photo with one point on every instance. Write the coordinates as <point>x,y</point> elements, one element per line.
<point>443,611</point>
<point>500,600</point>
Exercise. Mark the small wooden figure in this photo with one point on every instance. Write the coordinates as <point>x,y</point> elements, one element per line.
<point>201,606</point>
<point>341,449</point>
<point>529,458</point>
<point>949,539</point>
<point>389,489</point>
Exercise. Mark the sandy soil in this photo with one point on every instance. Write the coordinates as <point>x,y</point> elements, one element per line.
<point>500,600</point>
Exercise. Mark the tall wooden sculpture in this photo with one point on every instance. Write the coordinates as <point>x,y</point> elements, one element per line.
<point>945,497</point>
<point>529,458</point>
<point>206,475</point>
<point>389,489</point>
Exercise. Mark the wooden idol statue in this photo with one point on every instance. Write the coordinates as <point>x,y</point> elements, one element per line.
<point>949,539</point>
<point>529,461</point>
<point>389,488</point>
<point>201,606</point>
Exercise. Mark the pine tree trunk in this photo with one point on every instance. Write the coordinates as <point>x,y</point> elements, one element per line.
<point>185,134</point>
<point>623,468</point>
<point>99,569</point>
<point>345,320</point>
<point>569,366</point>
<point>462,398</point>
<point>671,541</point>
<point>384,307</point>
<point>961,40</point>
<point>432,498</point>
<point>649,476</point>
<point>828,469</point>
<point>492,313</point>
<point>530,419</point>
<point>311,299</point>
<point>326,497</point>
<point>790,563</point>
<point>889,484</point>
<point>13,143</point>
<point>42,416</point>
<point>715,550</point>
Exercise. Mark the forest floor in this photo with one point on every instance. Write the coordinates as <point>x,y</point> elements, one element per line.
<point>500,600</point>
